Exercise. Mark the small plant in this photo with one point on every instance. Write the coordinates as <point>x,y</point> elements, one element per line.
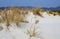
<point>1,28</point>
<point>32,32</point>
<point>1,21</point>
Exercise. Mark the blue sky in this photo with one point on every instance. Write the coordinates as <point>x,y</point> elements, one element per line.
<point>35,3</point>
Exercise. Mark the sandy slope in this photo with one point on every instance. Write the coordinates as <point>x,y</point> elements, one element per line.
<point>48,27</point>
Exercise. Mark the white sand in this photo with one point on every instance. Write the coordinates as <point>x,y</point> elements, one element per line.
<point>48,27</point>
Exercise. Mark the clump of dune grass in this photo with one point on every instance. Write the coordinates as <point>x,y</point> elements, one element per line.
<point>53,12</point>
<point>38,12</point>
<point>12,15</point>
<point>33,31</point>
<point>17,15</point>
<point>5,17</point>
